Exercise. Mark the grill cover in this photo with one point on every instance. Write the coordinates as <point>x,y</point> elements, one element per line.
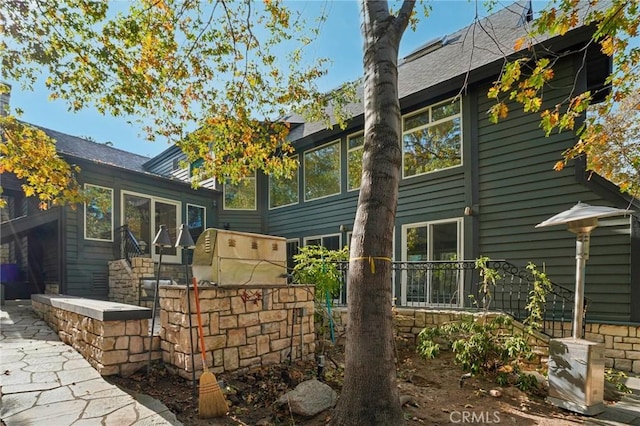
<point>231,258</point>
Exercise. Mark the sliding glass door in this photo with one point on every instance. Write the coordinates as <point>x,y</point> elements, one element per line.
<point>144,215</point>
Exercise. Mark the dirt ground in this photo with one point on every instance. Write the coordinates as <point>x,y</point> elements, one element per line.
<point>430,389</point>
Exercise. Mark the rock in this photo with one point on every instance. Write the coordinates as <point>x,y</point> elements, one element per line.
<point>407,400</point>
<point>421,381</point>
<point>495,393</point>
<point>309,398</point>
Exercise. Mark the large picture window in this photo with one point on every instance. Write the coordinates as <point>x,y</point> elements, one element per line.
<point>98,213</point>
<point>283,191</point>
<point>431,139</point>
<point>432,242</point>
<point>241,195</point>
<point>144,215</point>
<point>355,148</point>
<point>322,171</point>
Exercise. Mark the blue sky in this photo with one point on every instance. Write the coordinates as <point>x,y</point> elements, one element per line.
<point>340,41</point>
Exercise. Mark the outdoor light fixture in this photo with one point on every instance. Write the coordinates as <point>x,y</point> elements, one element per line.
<point>184,238</point>
<point>576,366</point>
<point>161,240</point>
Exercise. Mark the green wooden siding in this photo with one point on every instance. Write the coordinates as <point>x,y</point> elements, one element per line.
<point>318,217</point>
<point>86,261</point>
<point>519,189</point>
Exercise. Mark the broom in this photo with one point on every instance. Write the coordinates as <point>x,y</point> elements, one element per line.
<point>211,402</point>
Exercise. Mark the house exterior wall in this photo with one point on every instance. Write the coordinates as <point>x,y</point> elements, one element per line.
<point>507,182</point>
<point>518,189</point>
<point>502,188</point>
<point>85,260</point>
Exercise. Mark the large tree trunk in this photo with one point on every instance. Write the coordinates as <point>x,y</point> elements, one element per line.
<point>370,393</point>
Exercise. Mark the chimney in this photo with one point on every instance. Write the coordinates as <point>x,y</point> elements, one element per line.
<point>5,97</point>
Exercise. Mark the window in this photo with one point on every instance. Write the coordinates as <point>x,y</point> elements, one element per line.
<point>195,167</point>
<point>241,195</point>
<point>283,191</point>
<point>435,241</point>
<point>144,215</point>
<point>196,220</point>
<point>322,171</point>
<point>98,213</point>
<point>355,148</point>
<point>431,139</point>
<point>331,242</point>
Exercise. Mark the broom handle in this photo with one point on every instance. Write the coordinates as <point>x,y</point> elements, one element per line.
<point>201,333</point>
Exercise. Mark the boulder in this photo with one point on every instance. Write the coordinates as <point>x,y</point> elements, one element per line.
<point>309,398</point>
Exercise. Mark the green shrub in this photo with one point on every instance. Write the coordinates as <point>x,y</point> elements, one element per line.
<point>480,346</point>
<point>491,344</point>
<point>318,266</point>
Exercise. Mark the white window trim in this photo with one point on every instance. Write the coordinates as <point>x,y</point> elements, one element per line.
<point>460,225</point>
<point>321,236</point>
<point>298,194</point>
<point>349,150</point>
<point>304,177</point>
<point>84,219</point>
<point>255,195</point>
<point>177,258</point>
<point>431,124</point>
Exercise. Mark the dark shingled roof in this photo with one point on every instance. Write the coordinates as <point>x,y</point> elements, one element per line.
<point>489,40</point>
<point>96,152</point>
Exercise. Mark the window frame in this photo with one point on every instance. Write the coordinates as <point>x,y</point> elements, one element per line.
<point>431,123</point>
<point>337,142</point>
<point>297,178</point>
<point>305,240</point>
<point>204,217</point>
<point>459,221</point>
<point>170,258</point>
<point>255,194</point>
<point>349,151</point>
<point>111,239</point>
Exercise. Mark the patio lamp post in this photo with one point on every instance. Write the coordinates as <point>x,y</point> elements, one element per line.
<point>186,242</point>
<point>576,366</point>
<point>162,240</point>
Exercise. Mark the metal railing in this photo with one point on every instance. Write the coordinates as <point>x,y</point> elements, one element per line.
<point>125,244</point>
<point>458,285</point>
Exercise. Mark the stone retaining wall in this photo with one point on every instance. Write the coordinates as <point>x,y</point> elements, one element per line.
<point>621,342</point>
<point>112,346</point>
<point>242,327</point>
<point>621,345</point>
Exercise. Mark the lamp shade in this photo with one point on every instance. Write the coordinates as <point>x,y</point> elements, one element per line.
<point>162,238</point>
<point>184,238</point>
<point>581,212</point>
